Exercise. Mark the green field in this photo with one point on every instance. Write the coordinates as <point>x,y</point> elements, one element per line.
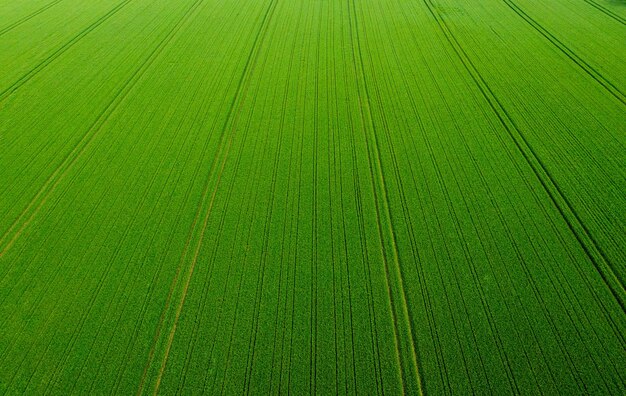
<point>313,196</point>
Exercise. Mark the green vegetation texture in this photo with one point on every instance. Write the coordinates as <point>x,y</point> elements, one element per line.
<point>313,196</point>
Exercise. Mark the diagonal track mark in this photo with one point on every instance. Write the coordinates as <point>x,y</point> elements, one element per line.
<point>41,197</point>
<point>376,173</point>
<point>219,161</point>
<point>576,226</point>
<point>606,11</point>
<point>59,51</point>
<point>590,70</point>
<point>28,17</point>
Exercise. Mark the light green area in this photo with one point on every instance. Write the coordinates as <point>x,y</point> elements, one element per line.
<point>332,197</point>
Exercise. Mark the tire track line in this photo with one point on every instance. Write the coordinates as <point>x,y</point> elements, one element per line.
<point>363,247</point>
<point>376,173</point>
<point>403,200</point>
<point>100,200</point>
<point>188,241</point>
<point>55,202</point>
<point>315,202</point>
<point>590,70</point>
<point>332,177</point>
<point>161,196</point>
<point>170,239</point>
<point>245,212</point>
<point>28,17</point>
<point>221,157</point>
<point>350,144</point>
<point>267,230</point>
<point>287,225</point>
<point>230,187</point>
<point>580,231</point>
<point>85,142</point>
<point>209,277</point>
<point>210,273</point>
<point>161,262</point>
<point>259,151</point>
<point>151,245</point>
<point>356,185</point>
<point>301,82</point>
<point>37,301</point>
<point>465,319</point>
<point>515,246</point>
<point>335,186</point>
<point>495,336</point>
<point>263,261</point>
<point>426,295</point>
<point>106,273</point>
<point>59,51</point>
<point>606,11</point>
<point>120,96</point>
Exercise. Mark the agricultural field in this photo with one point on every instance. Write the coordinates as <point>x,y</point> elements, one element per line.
<point>313,197</point>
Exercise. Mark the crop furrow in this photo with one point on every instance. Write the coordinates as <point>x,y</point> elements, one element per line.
<point>341,256</point>
<point>297,216</point>
<point>42,294</point>
<point>376,174</point>
<point>430,308</point>
<point>62,193</point>
<point>333,175</point>
<point>209,279</point>
<point>314,205</point>
<point>253,176</point>
<point>156,274</point>
<point>606,11</point>
<point>580,231</point>
<point>52,281</point>
<point>287,225</point>
<point>43,194</point>
<point>352,165</point>
<point>364,249</point>
<point>590,70</point>
<point>252,344</point>
<point>363,239</point>
<point>256,176</point>
<point>153,214</point>
<point>139,322</point>
<point>59,51</point>
<point>216,169</point>
<point>263,263</point>
<point>37,301</point>
<point>250,199</point>
<point>28,17</point>
<point>142,311</point>
<point>114,255</point>
<point>356,197</point>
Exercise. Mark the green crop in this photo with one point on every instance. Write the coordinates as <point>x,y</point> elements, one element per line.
<point>329,197</point>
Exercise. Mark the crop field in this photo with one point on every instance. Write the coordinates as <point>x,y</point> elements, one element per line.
<point>313,197</point>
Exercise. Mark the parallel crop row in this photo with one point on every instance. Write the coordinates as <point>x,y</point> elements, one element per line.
<point>322,197</point>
